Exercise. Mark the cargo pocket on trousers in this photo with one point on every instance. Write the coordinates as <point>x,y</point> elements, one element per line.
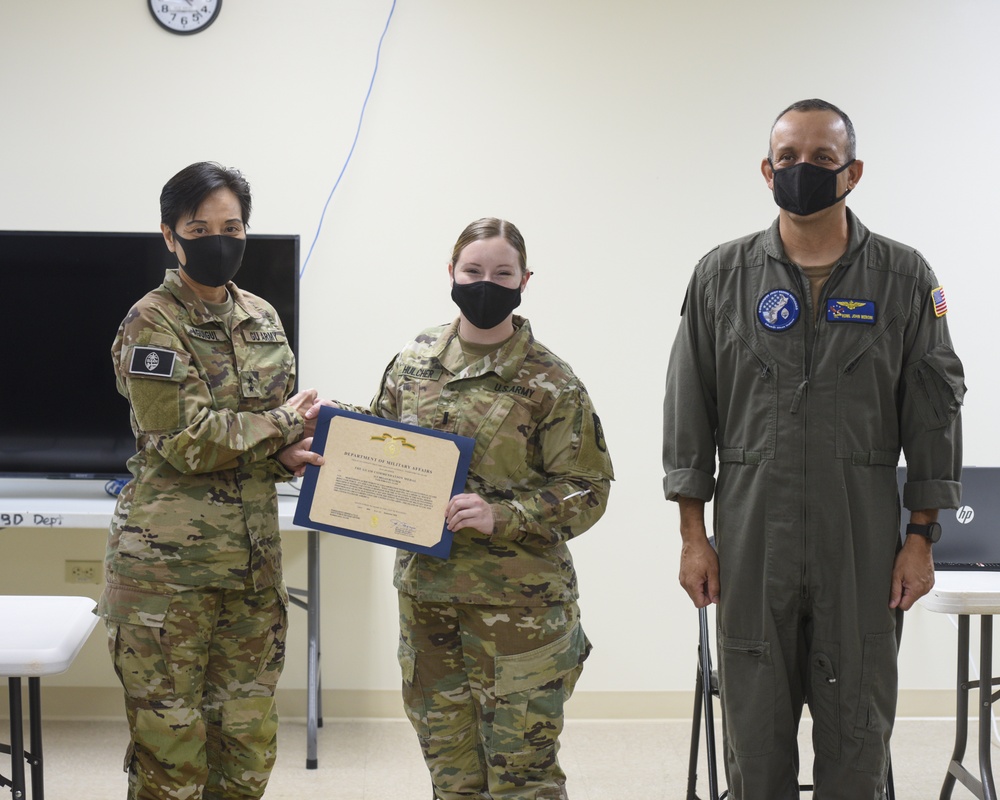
<point>272,655</point>
<point>413,693</point>
<point>531,689</point>
<point>876,701</point>
<point>746,675</point>
<point>824,699</point>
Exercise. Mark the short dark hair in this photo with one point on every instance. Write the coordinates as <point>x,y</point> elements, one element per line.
<point>815,104</point>
<point>184,192</point>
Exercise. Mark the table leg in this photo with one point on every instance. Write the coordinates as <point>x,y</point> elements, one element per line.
<point>16,739</point>
<point>312,674</point>
<point>35,712</point>
<point>705,659</point>
<point>985,706</point>
<point>962,708</point>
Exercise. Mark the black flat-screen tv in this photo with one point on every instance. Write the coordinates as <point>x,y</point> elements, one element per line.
<point>63,297</point>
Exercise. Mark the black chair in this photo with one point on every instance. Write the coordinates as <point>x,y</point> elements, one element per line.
<point>707,688</point>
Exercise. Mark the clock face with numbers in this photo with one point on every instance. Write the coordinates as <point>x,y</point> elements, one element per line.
<point>184,16</point>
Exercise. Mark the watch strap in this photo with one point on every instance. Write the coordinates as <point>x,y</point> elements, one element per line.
<point>931,531</point>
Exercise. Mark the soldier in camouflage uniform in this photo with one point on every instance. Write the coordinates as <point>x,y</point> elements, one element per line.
<point>195,605</point>
<point>490,639</point>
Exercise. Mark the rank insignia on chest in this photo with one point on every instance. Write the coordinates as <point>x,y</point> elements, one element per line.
<point>839,310</point>
<point>778,310</point>
<point>940,304</point>
<point>152,361</point>
<point>250,383</point>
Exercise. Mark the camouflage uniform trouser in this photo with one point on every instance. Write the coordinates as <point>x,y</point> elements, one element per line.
<point>484,688</point>
<point>199,668</point>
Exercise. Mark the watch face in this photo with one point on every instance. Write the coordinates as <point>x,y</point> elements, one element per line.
<point>185,16</point>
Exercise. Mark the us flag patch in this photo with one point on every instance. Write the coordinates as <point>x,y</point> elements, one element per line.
<point>940,304</point>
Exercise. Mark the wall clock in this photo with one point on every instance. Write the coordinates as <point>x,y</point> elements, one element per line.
<point>184,16</point>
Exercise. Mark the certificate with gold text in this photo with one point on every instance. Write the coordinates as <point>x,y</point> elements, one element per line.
<point>383,481</point>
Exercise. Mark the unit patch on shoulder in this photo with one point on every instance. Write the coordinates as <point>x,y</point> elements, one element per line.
<point>940,304</point>
<point>147,361</point>
<point>778,310</point>
<point>839,310</point>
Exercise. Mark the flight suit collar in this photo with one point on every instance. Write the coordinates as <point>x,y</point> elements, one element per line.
<point>448,352</point>
<point>858,237</point>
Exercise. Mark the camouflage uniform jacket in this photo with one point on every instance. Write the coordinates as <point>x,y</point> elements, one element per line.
<point>540,460</point>
<point>201,508</point>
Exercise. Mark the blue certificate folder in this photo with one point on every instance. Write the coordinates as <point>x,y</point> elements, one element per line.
<point>383,481</point>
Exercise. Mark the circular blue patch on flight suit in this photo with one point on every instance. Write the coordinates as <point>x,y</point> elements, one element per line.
<point>778,310</point>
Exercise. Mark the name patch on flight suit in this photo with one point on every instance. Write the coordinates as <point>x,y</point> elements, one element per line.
<point>862,311</point>
<point>778,310</point>
<point>206,335</point>
<point>148,361</point>
<point>264,336</point>
<point>421,373</point>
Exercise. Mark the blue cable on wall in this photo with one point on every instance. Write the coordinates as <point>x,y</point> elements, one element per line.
<point>347,161</point>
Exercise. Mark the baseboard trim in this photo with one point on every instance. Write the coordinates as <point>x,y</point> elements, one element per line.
<point>96,703</point>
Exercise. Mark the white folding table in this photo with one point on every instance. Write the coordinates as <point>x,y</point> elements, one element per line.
<point>964,594</point>
<point>38,636</point>
<point>38,503</point>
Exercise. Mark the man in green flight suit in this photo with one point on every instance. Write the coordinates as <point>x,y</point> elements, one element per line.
<point>808,356</point>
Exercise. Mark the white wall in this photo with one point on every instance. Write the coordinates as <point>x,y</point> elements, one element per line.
<point>624,138</point>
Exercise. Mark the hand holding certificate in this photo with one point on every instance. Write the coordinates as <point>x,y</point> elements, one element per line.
<point>383,481</point>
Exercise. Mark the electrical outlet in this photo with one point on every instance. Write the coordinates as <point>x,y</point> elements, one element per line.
<point>84,572</point>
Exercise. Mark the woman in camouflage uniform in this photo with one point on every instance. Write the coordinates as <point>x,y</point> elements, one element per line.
<point>195,604</point>
<point>490,639</point>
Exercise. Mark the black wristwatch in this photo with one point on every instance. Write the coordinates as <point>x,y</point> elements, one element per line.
<point>930,532</point>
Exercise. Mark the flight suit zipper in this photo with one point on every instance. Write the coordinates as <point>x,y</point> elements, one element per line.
<point>809,358</point>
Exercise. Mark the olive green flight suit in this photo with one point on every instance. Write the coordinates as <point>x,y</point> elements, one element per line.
<point>807,415</point>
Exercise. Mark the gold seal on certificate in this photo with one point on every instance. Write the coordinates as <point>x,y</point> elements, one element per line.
<point>383,481</point>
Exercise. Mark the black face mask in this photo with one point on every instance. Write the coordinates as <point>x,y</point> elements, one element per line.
<point>805,188</point>
<point>484,303</point>
<point>212,260</point>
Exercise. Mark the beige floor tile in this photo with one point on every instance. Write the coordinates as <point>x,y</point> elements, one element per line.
<point>380,760</point>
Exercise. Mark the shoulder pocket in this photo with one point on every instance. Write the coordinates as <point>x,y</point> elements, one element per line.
<point>153,376</point>
<point>936,384</point>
